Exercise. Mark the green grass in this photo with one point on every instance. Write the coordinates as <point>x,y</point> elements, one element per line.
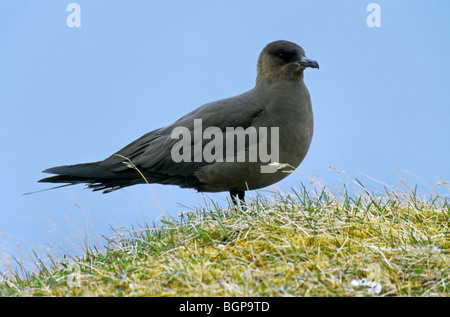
<point>298,244</point>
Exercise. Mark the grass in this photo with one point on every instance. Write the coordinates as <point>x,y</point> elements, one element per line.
<point>297,244</point>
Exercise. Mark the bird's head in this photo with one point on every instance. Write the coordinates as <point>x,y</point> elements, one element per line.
<point>283,60</point>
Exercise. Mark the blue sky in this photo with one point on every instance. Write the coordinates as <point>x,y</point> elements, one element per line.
<point>381,99</point>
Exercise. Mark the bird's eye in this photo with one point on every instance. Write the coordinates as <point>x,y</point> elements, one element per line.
<point>285,56</point>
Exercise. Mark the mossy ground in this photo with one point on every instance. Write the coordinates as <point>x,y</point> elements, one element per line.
<point>297,244</point>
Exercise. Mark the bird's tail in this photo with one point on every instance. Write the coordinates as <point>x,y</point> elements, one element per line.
<point>97,177</point>
<point>92,174</point>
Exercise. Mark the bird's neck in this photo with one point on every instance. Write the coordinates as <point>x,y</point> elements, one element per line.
<point>266,82</point>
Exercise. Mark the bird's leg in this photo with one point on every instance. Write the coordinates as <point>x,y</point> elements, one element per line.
<point>233,194</point>
<point>241,196</point>
<point>238,197</point>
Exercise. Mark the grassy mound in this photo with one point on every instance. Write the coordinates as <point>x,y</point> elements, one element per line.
<point>298,244</point>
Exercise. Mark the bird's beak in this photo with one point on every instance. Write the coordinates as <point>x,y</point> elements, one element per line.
<point>306,62</point>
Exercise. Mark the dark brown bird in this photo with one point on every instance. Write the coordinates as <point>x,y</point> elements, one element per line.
<point>279,103</point>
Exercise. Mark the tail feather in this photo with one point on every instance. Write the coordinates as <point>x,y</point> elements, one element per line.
<point>84,170</point>
<point>44,190</point>
<point>92,174</point>
<point>99,178</point>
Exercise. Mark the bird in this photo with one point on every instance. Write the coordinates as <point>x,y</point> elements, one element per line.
<point>278,103</point>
